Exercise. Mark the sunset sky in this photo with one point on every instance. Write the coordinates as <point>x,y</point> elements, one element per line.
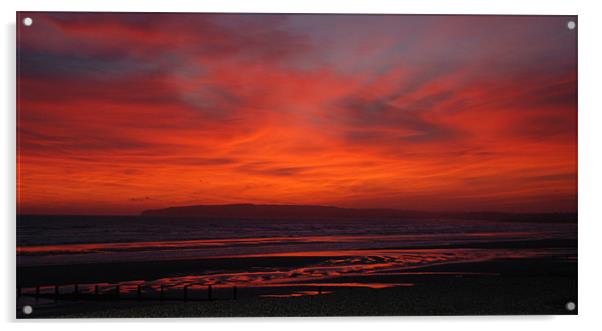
<point>118,113</point>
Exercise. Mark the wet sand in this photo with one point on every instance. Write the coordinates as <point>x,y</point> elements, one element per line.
<point>511,286</point>
<point>120,271</point>
<point>444,296</point>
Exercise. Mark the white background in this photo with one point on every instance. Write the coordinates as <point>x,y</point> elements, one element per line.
<point>590,161</point>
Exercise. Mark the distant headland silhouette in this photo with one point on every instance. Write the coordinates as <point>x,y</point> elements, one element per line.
<point>271,211</point>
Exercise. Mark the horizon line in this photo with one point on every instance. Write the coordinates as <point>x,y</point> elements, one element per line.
<point>306,205</point>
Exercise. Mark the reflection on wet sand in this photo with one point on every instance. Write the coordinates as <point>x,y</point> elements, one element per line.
<point>294,294</point>
<point>334,271</point>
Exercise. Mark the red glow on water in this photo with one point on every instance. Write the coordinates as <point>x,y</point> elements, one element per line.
<point>216,243</point>
<point>295,294</point>
<point>362,264</point>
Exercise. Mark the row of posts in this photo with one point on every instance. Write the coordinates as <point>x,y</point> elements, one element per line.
<point>138,291</point>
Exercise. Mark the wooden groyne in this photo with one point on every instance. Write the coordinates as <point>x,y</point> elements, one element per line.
<point>161,292</point>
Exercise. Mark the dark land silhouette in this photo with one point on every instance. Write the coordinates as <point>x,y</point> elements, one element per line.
<point>312,212</point>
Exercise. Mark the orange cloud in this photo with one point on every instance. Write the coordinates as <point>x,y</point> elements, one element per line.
<point>118,113</point>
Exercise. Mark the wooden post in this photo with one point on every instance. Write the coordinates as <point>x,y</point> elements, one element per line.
<point>185,292</point>
<point>234,292</point>
<point>37,291</point>
<point>139,290</point>
<point>76,289</point>
<point>117,291</point>
<point>96,291</point>
<point>320,290</point>
<point>56,290</point>
<point>161,297</point>
<point>209,294</point>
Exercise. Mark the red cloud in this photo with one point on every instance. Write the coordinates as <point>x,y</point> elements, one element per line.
<point>187,109</point>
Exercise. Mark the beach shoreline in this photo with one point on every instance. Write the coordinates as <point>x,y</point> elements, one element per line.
<point>513,286</point>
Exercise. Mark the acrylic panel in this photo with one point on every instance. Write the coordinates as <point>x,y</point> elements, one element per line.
<point>202,165</point>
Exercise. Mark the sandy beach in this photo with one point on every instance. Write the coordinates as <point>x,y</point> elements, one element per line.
<point>511,286</point>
